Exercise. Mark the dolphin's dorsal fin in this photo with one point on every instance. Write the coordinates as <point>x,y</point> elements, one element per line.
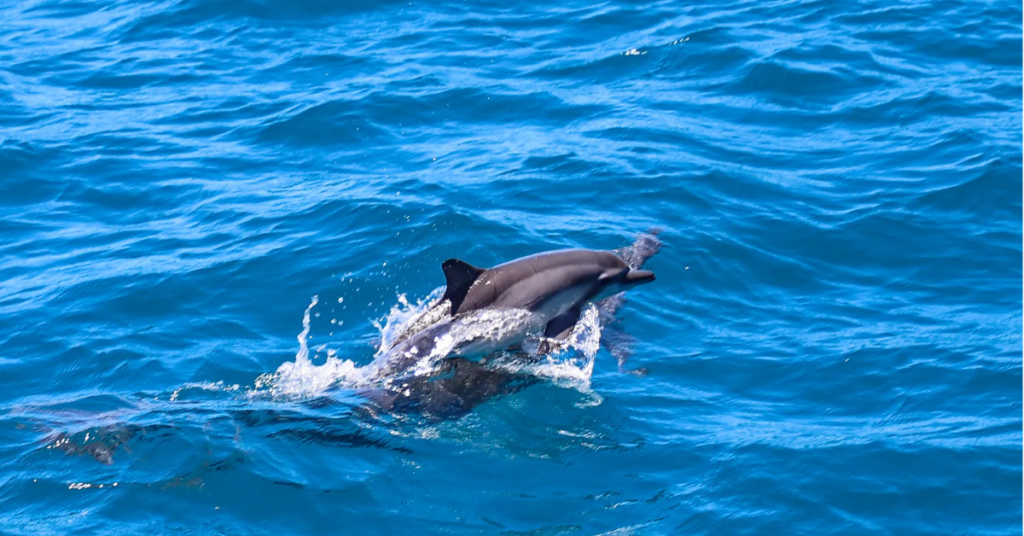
<point>459,276</point>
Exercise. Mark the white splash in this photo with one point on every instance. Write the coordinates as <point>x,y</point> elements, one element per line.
<point>570,364</point>
<point>476,333</point>
<point>301,378</point>
<point>405,319</point>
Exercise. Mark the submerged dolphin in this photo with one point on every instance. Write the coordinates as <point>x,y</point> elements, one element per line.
<point>547,290</point>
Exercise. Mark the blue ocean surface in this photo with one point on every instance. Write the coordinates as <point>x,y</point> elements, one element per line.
<point>213,214</point>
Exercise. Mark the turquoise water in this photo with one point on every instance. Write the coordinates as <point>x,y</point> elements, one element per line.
<point>832,346</point>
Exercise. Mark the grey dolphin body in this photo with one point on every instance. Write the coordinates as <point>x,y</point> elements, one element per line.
<point>551,288</point>
<point>551,283</point>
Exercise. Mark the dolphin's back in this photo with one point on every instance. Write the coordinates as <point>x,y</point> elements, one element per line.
<point>530,281</point>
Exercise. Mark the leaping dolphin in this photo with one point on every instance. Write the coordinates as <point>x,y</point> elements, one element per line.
<point>458,385</point>
<point>549,284</point>
<point>546,290</point>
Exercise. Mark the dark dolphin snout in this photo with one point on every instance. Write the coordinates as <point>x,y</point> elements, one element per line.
<point>637,277</point>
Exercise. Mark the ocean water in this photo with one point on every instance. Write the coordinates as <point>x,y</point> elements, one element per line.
<point>213,212</point>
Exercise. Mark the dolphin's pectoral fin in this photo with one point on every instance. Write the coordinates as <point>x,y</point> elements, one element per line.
<point>559,329</point>
<point>459,276</point>
<point>561,326</point>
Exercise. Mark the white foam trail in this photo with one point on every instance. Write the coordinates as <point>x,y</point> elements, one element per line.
<point>203,386</point>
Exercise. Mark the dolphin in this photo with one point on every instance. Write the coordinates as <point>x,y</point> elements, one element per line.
<point>549,284</point>
<point>546,291</point>
<point>458,385</point>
